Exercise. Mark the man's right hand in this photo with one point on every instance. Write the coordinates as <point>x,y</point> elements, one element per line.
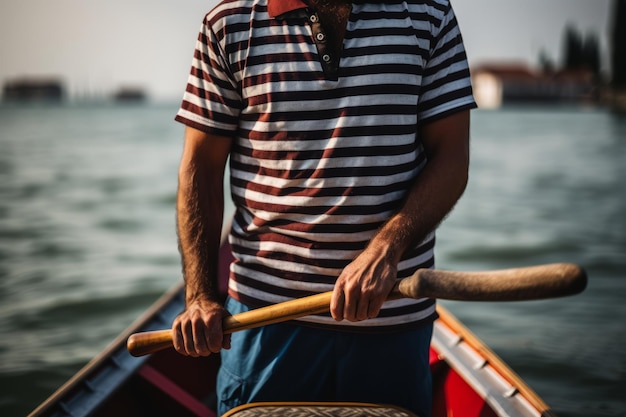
<point>198,330</point>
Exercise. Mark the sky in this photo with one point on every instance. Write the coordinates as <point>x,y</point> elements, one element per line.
<point>96,47</point>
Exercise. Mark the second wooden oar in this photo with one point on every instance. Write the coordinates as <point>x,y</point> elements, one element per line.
<point>518,284</point>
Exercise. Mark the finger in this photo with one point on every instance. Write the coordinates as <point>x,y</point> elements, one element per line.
<point>226,341</point>
<point>350,306</point>
<point>337,303</point>
<point>362,309</point>
<point>187,330</point>
<point>214,336</point>
<point>200,338</point>
<point>374,308</point>
<point>177,338</point>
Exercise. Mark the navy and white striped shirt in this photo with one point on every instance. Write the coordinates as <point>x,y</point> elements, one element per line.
<point>325,147</point>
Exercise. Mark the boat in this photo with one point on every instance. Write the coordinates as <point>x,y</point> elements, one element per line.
<point>469,379</point>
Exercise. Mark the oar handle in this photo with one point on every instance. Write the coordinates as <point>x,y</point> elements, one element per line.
<point>530,283</point>
<point>144,343</point>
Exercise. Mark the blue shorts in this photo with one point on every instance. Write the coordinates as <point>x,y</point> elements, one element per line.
<point>288,362</point>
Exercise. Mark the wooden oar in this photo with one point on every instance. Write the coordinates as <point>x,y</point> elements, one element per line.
<point>518,284</point>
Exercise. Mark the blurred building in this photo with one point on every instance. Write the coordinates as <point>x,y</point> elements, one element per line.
<point>130,94</point>
<point>33,89</point>
<point>499,84</point>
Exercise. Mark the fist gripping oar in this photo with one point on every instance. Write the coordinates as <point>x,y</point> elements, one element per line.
<point>530,283</point>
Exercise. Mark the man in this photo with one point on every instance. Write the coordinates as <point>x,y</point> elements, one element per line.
<point>346,125</point>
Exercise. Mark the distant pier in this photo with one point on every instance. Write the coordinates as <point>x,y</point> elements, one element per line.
<point>130,95</point>
<point>34,90</point>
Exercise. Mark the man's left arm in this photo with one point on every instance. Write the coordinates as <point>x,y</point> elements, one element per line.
<point>364,284</point>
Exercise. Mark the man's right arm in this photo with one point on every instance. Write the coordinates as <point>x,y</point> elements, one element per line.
<point>200,209</point>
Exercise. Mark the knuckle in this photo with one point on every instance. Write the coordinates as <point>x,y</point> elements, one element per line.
<point>198,325</point>
<point>351,289</point>
<point>368,292</point>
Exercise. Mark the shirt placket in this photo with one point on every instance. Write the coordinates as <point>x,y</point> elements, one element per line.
<point>329,62</point>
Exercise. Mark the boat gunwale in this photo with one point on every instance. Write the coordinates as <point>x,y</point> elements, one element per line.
<point>491,359</point>
<point>118,343</point>
<point>140,324</point>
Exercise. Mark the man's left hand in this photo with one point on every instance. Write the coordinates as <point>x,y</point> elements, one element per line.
<point>363,286</point>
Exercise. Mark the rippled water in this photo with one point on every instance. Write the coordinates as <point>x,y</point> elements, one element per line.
<point>87,241</point>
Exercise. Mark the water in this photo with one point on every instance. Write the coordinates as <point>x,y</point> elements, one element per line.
<point>87,241</point>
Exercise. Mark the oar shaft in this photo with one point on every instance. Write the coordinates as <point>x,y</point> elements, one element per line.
<point>530,283</point>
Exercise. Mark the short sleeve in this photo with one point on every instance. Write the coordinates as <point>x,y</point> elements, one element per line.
<point>212,101</point>
<point>446,84</point>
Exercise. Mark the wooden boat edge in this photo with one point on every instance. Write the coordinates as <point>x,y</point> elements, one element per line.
<point>516,389</point>
<point>143,323</point>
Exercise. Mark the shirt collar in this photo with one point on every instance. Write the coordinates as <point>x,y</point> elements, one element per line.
<point>276,8</point>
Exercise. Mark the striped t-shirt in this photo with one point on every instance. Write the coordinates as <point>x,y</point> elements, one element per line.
<point>325,147</point>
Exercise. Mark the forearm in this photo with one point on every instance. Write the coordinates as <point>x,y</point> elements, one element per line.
<point>197,331</point>
<point>435,191</point>
<point>433,195</point>
<point>200,209</point>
